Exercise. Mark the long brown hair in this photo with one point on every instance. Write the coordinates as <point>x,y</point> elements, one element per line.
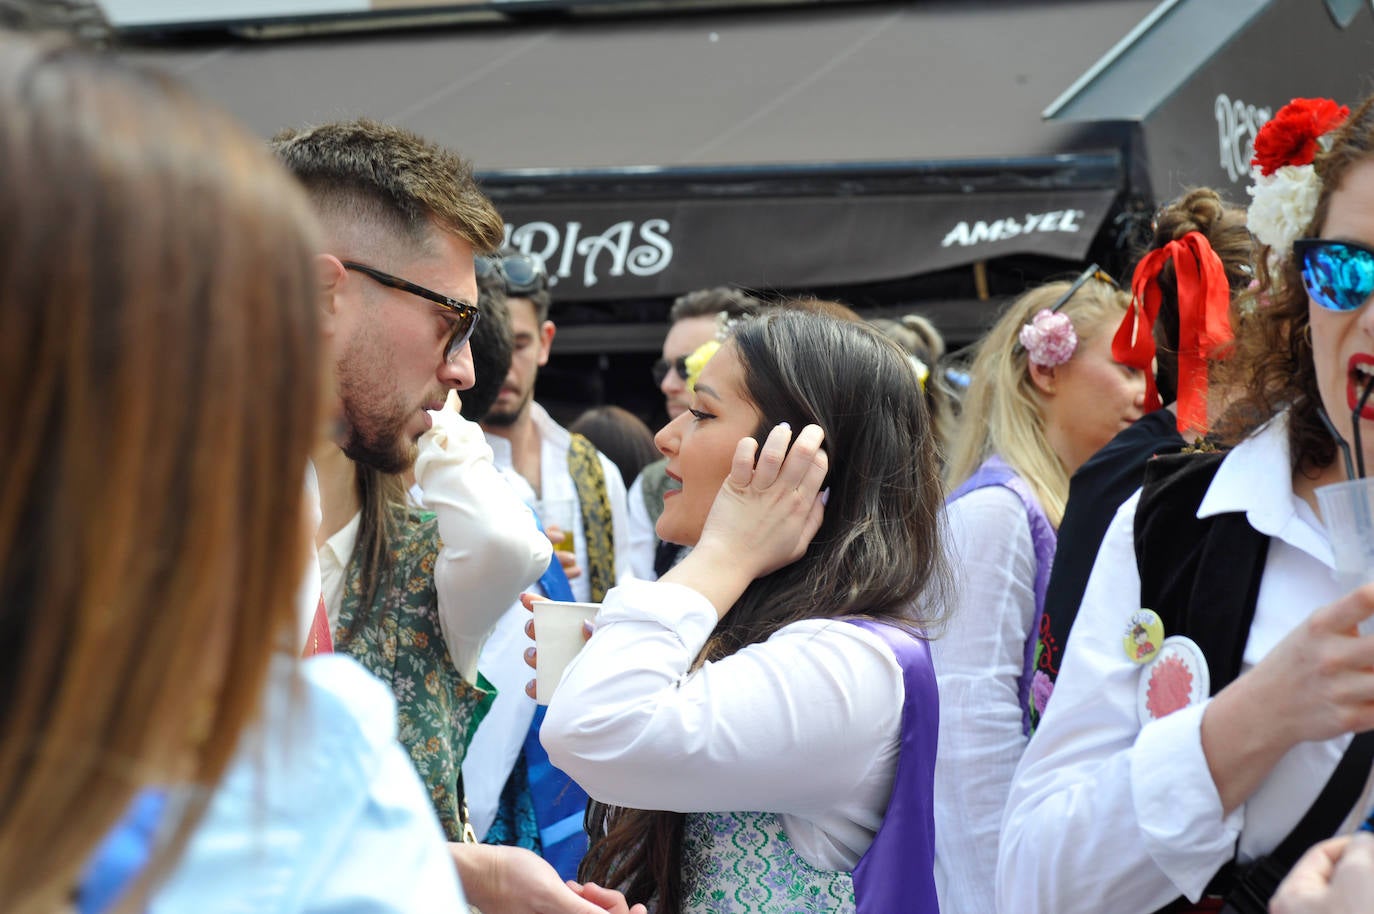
<point>877,554</point>
<point>383,514</point>
<point>1272,363</point>
<point>159,388</point>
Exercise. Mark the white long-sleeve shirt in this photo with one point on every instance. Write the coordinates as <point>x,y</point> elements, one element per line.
<point>1105,814</point>
<point>641,537</point>
<point>978,664</point>
<point>491,548</point>
<point>806,724</point>
<point>320,810</point>
<point>555,482</point>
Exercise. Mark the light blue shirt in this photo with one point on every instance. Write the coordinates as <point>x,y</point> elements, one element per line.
<point>321,810</point>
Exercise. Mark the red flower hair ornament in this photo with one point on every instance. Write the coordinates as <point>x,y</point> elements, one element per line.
<point>1286,187</point>
<point>1291,136</point>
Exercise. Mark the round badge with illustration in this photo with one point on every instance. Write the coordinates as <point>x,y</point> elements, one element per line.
<point>1176,678</point>
<point>1144,634</point>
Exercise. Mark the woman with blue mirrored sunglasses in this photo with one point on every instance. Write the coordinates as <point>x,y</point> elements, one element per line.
<point>1147,801</point>
<point>1338,275</point>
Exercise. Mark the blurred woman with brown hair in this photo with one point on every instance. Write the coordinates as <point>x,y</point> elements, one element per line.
<point>162,382</point>
<point>160,389</point>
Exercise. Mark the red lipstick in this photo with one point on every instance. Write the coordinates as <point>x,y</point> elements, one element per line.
<point>1356,381</point>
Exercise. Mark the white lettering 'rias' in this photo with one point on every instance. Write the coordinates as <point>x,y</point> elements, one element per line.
<point>1237,124</point>
<point>559,249</point>
<point>966,234</point>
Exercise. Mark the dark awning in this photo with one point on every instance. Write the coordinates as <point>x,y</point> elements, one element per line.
<point>606,246</point>
<point>1231,64</point>
<point>782,148</point>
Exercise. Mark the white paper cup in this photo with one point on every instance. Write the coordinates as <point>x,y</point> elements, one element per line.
<point>1348,515</point>
<point>558,638</point>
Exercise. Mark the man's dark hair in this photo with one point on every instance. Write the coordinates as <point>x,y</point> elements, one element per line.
<point>371,173</point>
<point>492,346</point>
<point>710,302</point>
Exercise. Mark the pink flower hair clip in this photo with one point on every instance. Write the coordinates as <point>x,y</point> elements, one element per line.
<point>1049,338</point>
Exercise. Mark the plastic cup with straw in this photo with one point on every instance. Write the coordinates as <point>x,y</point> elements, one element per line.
<point>1348,508</point>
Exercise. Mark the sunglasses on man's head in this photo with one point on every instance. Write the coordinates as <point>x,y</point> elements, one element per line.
<point>521,273</point>
<point>466,314</point>
<point>1338,275</point>
<point>662,366</point>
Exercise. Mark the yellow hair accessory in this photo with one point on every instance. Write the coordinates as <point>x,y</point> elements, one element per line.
<point>922,370</point>
<point>698,359</point>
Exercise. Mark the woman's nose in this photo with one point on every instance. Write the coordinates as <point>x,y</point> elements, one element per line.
<point>667,437</point>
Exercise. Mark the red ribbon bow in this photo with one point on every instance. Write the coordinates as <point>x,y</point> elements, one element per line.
<point>1204,324</point>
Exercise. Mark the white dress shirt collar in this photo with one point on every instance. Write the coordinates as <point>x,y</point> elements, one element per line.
<point>1257,477</point>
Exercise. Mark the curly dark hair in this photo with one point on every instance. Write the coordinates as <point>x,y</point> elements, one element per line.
<point>1272,364</point>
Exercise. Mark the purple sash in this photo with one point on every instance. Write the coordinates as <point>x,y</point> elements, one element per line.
<point>897,873</point>
<point>995,472</point>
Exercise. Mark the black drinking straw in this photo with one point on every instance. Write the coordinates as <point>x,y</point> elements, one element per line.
<point>1340,442</point>
<point>1355,424</point>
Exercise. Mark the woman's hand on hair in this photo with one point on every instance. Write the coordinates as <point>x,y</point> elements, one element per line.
<point>1316,684</point>
<point>765,516</point>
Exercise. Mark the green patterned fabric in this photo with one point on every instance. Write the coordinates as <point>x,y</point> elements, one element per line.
<point>653,485</point>
<point>744,863</point>
<point>584,465</point>
<point>401,643</point>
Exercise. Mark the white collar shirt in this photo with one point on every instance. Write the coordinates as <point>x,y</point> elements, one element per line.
<point>556,482</point>
<point>1107,814</point>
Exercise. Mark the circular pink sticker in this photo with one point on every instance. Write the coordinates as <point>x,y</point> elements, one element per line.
<point>1175,678</point>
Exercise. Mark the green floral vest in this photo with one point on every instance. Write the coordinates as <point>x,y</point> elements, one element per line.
<point>401,643</point>
<point>744,863</point>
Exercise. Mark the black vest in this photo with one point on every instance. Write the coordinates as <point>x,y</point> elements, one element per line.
<point>1202,576</point>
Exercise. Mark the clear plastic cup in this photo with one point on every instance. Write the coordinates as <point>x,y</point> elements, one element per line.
<point>558,638</point>
<point>1348,515</point>
<point>560,513</point>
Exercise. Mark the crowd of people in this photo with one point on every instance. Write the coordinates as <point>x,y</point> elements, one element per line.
<point>279,497</point>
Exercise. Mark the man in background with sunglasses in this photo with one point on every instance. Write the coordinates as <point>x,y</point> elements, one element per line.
<point>515,796</point>
<point>554,463</point>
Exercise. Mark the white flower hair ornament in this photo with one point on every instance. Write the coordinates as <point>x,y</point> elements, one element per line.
<point>1049,338</point>
<point>1286,186</point>
<point>725,325</point>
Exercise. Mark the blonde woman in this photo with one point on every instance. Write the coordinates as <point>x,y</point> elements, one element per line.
<point>1046,394</point>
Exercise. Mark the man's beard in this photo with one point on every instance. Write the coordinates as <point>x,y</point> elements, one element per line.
<point>506,418</point>
<point>374,429</point>
<point>384,449</point>
<point>500,419</point>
